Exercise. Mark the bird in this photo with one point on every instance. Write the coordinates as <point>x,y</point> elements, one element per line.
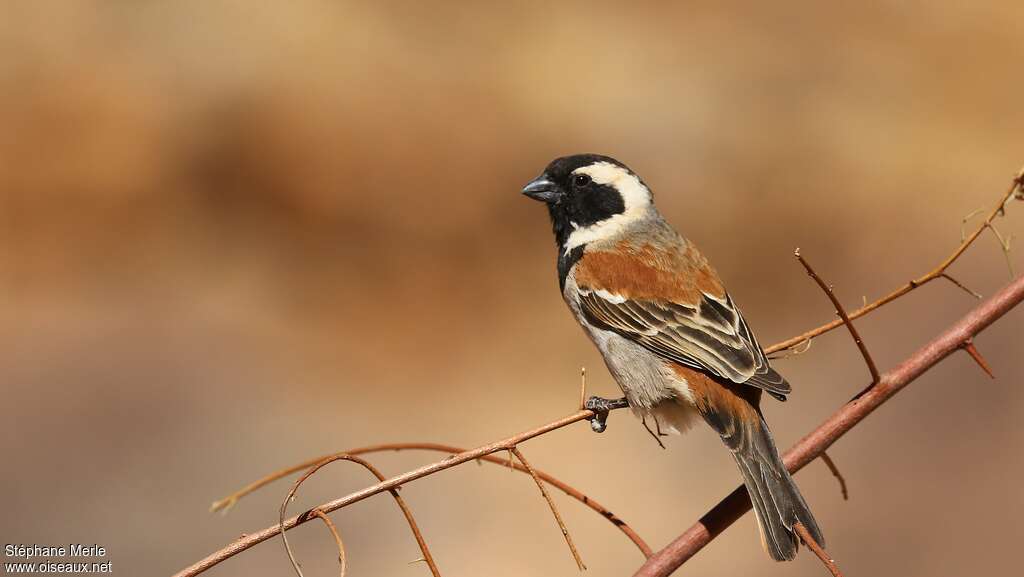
<point>670,334</point>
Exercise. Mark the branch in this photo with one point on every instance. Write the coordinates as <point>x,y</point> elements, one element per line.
<point>248,541</point>
<point>843,316</point>
<point>1015,189</point>
<point>814,444</point>
<point>321,512</point>
<point>231,500</point>
<point>835,473</point>
<point>554,510</point>
<point>813,545</point>
<point>342,559</point>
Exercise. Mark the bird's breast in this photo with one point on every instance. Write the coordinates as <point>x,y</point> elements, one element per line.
<point>643,376</point>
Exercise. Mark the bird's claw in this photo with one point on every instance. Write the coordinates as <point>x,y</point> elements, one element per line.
<point>601,407</point>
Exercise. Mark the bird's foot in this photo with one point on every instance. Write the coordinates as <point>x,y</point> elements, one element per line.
<point>601,408</point>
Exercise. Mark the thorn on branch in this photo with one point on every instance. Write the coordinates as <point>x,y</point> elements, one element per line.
<point>1015,190</point>
<point>835,472</point>
<point>813,545</point>
<point>842,314</point>
<point>961,285</point>
<point>971,350</point>
<point>551,503</point>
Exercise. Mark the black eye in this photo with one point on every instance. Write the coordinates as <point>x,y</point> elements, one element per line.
<point>581,180</point>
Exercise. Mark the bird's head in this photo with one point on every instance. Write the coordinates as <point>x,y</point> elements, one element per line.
<point>589,197</point>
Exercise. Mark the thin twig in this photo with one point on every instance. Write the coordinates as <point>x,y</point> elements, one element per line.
<point>813,545</point>
<point>1005,246</point>
<point>842,315</point>
<point>583,388</point>
<point>312,512</point>
<point>967,218</point>
<point>726,512</point>
<point>794,351</point>
<point>835,472</point>
<point>342,559</point>
<point>922,280</point>
<point>554,510</point>
<point>548,478</point>
<point>247,541</point>
<point>961,285</point>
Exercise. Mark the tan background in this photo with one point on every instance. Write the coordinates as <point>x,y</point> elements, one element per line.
<point>237,235</point>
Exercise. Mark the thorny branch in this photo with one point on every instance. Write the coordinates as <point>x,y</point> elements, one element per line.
<point>1014,191</point>
<point>960,336</point>
<point>849,415</point>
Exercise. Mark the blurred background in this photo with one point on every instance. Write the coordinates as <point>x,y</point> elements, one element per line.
<point>238,235</point>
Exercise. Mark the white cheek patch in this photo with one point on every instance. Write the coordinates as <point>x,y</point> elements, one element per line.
<point>634,193</point>
<point>635,197</point>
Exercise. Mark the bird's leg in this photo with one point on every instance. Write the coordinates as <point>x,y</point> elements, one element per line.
<point>656,439</point>
<point>601,407</point>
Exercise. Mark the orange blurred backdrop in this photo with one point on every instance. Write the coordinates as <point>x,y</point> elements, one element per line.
<point>234,236</point>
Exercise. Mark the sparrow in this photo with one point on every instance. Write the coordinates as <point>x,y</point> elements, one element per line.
<point>670,334</point>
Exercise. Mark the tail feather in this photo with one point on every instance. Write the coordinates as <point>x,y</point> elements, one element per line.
<point>776,499</point>
<point>731,410</point>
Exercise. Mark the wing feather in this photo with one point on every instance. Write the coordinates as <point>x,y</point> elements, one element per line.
<point>711,337</point>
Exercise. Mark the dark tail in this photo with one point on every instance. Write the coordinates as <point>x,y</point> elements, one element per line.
<point>777,500</point>
<point>731,410</point>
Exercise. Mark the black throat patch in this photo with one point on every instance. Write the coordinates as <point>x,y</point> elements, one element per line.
<point>580,203</point>
<point>565,262</point>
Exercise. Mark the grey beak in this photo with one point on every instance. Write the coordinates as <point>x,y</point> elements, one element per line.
<point>542,189</point>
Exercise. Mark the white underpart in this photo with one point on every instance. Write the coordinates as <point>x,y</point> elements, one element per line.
<point>635,197</point>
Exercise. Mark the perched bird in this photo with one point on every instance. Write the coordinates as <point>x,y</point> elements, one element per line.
<point>669,332</point>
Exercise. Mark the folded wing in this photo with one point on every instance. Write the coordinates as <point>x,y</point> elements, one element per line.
<point>709,336</point>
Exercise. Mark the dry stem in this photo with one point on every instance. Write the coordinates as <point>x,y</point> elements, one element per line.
<point>937,272</point>
<point>318,511</point>
<point>554,510</point>
<point>813,545</point>
<point>247,541</point>
<point>835,472</point>
<point>842,315</point>
<point>342,559</point>
<point>569,490</point>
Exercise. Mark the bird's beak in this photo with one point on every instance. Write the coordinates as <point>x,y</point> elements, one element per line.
<point>542,189</point>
